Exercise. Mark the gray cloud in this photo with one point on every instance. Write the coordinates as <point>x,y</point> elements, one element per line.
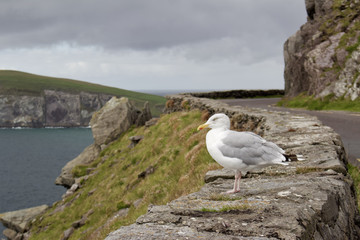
<point>151,44</point>
<point>142,24</point>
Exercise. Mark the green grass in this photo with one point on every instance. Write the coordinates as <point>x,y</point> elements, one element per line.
<point>355,175</point>
<point>227,208</point>
<point>21,83</point>
<point>222,197</point>
<point>327,103</point>
<point>172,147</point>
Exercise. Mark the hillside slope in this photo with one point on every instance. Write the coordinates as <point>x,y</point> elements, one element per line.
<point>169,162</point>
<point>29,100</point>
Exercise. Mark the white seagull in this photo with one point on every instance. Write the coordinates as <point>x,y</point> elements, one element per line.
<point>241,151</point>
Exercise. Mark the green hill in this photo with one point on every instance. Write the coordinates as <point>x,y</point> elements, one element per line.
<point>21,83</point>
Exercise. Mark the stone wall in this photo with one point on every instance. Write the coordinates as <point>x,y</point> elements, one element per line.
<point>311,199</point>
<point>239,93</point>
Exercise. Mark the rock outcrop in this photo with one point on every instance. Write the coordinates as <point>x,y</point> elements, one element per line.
<point>113,119</point>
<point>323,57</point>
<point>51,109</point>
<point>18,222</point>
<point>107,124</point>
<point>311,199</point>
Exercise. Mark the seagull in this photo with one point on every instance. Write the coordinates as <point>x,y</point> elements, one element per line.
<point>240,151</point>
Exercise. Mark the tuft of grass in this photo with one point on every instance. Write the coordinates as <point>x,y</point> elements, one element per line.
<point>326,103</point>
<point>222,197</point>
<point>169,146</point>
<point>79,171</point>
<point>227,208</point>
<point>355,175</point>
<point>21,83</point>
<point>122,205</point>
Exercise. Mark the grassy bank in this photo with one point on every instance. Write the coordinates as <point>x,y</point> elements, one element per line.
<point>327,103</point>
<point>21,83</point>
<point>355,175</point>
<point>173,149</point>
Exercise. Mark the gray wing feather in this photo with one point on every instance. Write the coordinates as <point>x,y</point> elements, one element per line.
<point>250,148</point>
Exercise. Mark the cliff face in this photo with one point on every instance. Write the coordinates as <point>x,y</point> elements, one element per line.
<point>323,57</point>
<point>51,109</point>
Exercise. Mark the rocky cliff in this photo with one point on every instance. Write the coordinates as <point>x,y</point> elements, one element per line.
<point>51,109</point>
<point>323,57</point>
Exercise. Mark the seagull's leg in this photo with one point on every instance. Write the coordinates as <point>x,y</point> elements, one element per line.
<point>236,182</point>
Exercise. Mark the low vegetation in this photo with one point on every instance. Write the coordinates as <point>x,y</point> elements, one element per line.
<point>227,208</point>
<point>326,103</point>
<point>355,175</point>
<point>21,83</point>
<point>172,148</point>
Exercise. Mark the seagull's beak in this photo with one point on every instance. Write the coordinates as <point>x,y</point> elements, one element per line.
<point>201,127</point>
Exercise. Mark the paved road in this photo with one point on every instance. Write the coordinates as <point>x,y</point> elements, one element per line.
<point>346,124</point>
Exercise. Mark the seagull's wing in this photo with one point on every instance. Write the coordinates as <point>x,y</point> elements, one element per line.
<point>250,148</point>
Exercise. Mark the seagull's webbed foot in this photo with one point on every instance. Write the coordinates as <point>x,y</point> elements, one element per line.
<point>232,191</point>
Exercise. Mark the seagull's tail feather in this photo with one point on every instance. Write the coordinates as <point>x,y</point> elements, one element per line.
<point>293,157</point>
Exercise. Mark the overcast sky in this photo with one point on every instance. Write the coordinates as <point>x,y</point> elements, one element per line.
<point>151,44</point>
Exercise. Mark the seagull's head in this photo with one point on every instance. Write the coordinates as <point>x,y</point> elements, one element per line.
<point>219,120</point>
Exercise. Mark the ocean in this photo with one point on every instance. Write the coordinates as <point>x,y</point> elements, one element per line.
<point>30,161</point>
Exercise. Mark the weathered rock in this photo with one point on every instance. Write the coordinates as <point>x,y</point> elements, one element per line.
<point>135,140</point>
<point>137,202</point>
<point>107,124</point>
<point>288,207</point>
<point>114,118</point>
<point>66,177</point>
<point>144,115</point>
<point>19,221</point>
<point>151,122</point>
<point>82,221</point>
<point>311,199</point>
<point>11,234</point>
<point>211,176</point>
<point>322,58</point>
<point>67,233</point>
<point>148,171</point>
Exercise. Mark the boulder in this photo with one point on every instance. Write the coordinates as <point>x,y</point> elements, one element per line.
<point>144,115</point>
<point>113,119</point>
<point>107,124</point>
<point>19,220</point>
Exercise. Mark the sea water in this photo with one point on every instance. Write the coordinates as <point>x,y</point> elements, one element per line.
<point>30,161</point>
